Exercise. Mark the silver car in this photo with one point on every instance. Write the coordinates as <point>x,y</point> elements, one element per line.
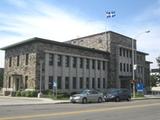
<point>87,96</point>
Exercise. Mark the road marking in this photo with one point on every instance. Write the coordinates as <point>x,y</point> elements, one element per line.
<point>76,112</point>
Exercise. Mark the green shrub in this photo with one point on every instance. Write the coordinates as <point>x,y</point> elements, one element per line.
<point>23,93</point>
<point>18,93</point>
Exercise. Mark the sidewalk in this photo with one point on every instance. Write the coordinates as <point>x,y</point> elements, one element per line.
<point>7,100</point>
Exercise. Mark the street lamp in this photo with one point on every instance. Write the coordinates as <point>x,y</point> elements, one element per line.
<point>133,63</point>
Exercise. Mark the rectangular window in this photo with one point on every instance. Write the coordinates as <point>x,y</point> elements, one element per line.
<point>81,82</point>
<point>99,82</point>
<point>87,83</point>
<point>81,62</point>
<point>10,61</point>
<point>59,81</point>
<point>124,52</point>
<point>59,61</point>
<point>99,65</point>
<point>93,83</point>
<point>67,82</point>
<point>124,67</point>
<point>27,57</point>
<point>51,59</point>
<point>50,82</point>
<point>130,67</point>
<point>67,61</point>
<point>127,67</point>
<point>9,82</point>
<point>17,60</point>
<point>121,67</point>
<point>104,83</point>
<point>26,82</point>
<point>104,65</point>
<point>87,63</point>
<point>74,62</point>
<point>130,54</point>
<point>127,53</point>
<point>74,83</point>
<point>120,51</point>
<point>93,64</point>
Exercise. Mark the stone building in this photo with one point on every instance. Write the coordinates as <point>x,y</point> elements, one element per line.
<point>120,61</point>
<point>71,67</point>
<point>98,61</point>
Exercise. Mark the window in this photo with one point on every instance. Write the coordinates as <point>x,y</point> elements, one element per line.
<point>104,65</point>
<point>67,61</point>
<point>27,57</point>
<point>99,65</point>
<point>81,62</point>
<point>124,52</point>
<point>17,60</point>
<point>67,82</point>
<point>93,64</point>
<point>99,83</point>
<point>127,53</point>
<point>74,62</point>
<point>130,53</point>
<point>104,83</point>
<point>93,83</point>
<point>59,81</point>
<point>81,82</point>
<point>124,67</point>
<point>127,67</point>
<point>26,82</point>
<point>87,63</point>
<point>120,51</point>
<point>74,83</point>
<point>10,61</point>
<point>130,67</point>
<point>87,82</point>
<point>51,59</point>
<point>121,67</point>
<point>59,62</point>
<point>9,82</point>
<point>50,82</point>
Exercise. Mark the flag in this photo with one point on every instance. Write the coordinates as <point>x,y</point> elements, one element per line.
<point>110,14</point>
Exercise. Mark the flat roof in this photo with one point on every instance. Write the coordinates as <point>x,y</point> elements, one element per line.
<point>36,39</point>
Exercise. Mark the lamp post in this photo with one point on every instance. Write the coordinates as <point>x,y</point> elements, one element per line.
<point>133,63</point>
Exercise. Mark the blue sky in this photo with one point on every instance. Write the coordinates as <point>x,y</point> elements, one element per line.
<point>62,20</point>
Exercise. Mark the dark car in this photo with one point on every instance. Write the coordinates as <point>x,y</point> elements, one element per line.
<point>117,95</point>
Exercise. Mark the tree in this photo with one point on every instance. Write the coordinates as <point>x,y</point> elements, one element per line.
<point>153,80</point>
<point>1,80</point>
<point>158,62</point>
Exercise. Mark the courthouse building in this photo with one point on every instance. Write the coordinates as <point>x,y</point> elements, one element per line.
<point>98,61</point>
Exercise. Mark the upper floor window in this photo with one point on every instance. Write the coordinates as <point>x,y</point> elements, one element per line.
<point>104,65</point>
<point>87,64</point>
<point>99,65</point>
<point>27,57</point>
<point>10,61</point>
<point>81,63</point>
<point>124,67</point>
<point>74,62</point>
<point>121,67</point>
<point>124,52</point>
<point>67,61</point>
<point>51,59</point>
<point>59,61</point>
<point>93,64</point>
<point>17,60</point>
<point>120,51</point>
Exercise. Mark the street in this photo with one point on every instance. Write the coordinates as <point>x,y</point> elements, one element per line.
<point>134,110</point>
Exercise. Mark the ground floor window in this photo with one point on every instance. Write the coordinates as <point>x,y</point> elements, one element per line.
<point>59,81</point>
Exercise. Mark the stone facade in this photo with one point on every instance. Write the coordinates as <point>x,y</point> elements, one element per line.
<point>120,63</point>
<point>29,62</point>
<point>105,60</point>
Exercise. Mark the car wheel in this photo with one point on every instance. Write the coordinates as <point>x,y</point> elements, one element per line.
<point>128,99</point>
<point>84,100</point>
<point>117,99</point>
<point>99,100</point>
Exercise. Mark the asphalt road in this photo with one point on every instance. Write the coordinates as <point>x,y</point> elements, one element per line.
<point>134,110</point>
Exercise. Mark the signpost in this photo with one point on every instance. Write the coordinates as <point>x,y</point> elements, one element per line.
<point>55,87</point>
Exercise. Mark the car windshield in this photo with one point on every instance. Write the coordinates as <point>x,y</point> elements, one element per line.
<point>84,92</point>
<point>112,91</point>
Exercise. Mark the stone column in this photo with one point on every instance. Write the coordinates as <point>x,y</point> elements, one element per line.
<point>96,71</point>
<point>77,73</point>
<point>63,72</point>
<point>46,70</point>
<point>90,74</point>
<point>55,68</point>
<point>84,73</point>
<point>70,73</point>
<point>101,75</point>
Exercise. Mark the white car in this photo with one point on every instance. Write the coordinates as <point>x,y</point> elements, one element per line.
<point>87,96</point>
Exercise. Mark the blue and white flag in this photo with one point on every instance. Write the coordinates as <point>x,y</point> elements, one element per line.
<point>110,14</point>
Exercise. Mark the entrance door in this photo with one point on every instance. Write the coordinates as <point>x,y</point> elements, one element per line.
<point>17,84</point>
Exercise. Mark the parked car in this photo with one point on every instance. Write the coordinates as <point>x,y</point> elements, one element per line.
<point>117,95</point>
<point>87,96</point>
